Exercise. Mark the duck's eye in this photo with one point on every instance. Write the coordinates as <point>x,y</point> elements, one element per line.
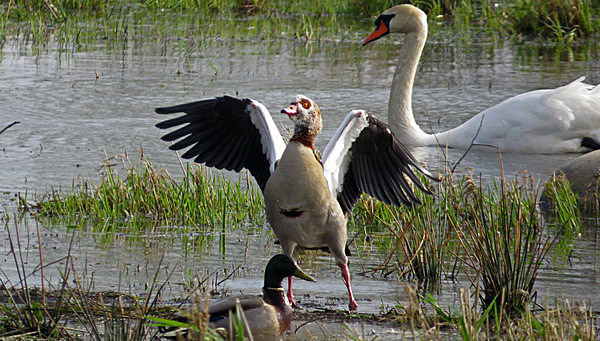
<point>305,103</point>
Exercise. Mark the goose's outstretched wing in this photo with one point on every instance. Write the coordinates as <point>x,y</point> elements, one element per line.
<point>226,133</point>
<point>365,156</point>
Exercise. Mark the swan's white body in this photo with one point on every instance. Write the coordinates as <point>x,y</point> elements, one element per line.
<point>543,121</point>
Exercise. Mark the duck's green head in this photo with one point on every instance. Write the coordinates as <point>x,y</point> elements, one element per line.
<point>281,266</point>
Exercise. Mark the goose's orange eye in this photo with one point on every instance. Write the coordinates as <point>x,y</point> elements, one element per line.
<point>305,103</point>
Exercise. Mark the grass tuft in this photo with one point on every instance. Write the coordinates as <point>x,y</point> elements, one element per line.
<point>505,245</point>
<point>561,19</point>
<point>569,201</point>
<point>145,197</point>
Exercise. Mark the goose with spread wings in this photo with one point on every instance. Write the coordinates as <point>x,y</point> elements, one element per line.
<point>307,199</point>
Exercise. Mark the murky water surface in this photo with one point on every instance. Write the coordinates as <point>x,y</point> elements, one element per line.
<point>77,106</point>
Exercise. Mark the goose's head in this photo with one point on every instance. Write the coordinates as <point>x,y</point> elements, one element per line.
<point>305,114</point>
<point>398,19</point>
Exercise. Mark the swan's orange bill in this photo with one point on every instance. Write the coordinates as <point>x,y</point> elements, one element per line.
<point>378,33</point>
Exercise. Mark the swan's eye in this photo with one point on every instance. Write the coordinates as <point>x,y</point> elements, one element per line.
<point>305,103</point>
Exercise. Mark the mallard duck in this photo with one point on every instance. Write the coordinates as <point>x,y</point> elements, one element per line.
<point>307,199</point>
<point>267,316</point>
<point>549,121</point>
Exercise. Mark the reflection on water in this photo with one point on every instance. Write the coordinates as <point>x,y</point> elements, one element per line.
<point>77,106</point>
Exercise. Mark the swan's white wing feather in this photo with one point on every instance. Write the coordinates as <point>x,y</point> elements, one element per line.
<point>540,121</point>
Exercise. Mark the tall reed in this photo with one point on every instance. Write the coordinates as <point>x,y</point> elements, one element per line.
<point>26,313</point>
<point>505,244</point>
<point>417,237</point>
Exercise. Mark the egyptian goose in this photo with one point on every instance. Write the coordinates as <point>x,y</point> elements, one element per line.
<point>561,120</point>
<point>268,316</point>
<point>308,200</point>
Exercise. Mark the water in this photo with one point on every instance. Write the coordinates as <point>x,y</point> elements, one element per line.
<point>78,106</point>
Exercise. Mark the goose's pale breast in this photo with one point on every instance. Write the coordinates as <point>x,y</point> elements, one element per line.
<point>297,198</point>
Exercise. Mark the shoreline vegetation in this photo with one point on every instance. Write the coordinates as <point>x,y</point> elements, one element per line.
<point>558,21</point>
<point>494,236</point>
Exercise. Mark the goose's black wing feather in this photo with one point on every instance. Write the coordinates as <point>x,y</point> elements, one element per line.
<point>226,133</point>
<point>364,156</point>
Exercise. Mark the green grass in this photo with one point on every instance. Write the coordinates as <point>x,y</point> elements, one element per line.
<point>77,22</point>
<point>493,234</point>
<point>61,10</point>
<point>559,199</point>
<point>505,245</point>
<point>561,320</point>
<point>421,243</point>
<point>562,21</point>
<point>144,197</point>
<point>560,196</point>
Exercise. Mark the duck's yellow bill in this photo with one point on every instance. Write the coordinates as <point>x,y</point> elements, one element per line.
<point>301,274</point>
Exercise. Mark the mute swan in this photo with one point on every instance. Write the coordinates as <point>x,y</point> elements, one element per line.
<point>267,317</point>
<point>561,120</point>
<point>307,201</point>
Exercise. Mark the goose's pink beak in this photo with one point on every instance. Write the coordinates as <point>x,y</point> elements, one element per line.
<point>292,110</point>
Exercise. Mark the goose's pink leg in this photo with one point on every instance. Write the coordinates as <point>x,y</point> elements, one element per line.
<point>290,295</point>
<point>346,277</point>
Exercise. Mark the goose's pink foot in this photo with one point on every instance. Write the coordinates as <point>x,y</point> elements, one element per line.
<point>346,277</point>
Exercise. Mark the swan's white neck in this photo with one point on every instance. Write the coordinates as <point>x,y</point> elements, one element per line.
<point>400,111</point>
<point>542,121</point>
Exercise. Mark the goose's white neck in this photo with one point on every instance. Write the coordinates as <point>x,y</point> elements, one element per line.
<point>400,111</point>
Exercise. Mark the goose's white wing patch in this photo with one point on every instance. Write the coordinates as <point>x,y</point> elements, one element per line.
<point>272,142</point>
<point>336,156</point>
